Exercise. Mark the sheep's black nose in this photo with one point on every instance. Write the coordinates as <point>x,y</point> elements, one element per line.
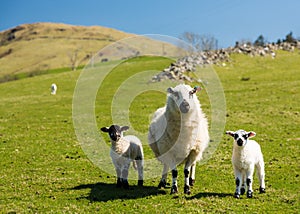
<point>184,106</point>
<point>239,142</point>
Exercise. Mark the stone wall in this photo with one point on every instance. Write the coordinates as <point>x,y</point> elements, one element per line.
<point>178,70</point>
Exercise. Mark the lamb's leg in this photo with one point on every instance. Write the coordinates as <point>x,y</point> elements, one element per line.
<point>119,181</point>
<point>163,181</point>
<point>243,187</point>
<point>238,183</point>
<point>140,168</point>
<point>249,181</point>
<point>261,176</point>
<point>174,188</point>
<point>125,175</point>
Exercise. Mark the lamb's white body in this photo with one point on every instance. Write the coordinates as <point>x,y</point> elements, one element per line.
<point>245,158</point>
<point>176,137</point>
<point>125,150</point>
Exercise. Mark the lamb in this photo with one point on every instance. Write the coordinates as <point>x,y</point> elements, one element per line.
<point>245,157</point>
<point>125,150</point>
<point>178,133</point>
<point>53,88</point>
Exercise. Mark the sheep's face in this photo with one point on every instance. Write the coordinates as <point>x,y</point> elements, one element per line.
<point>183,97</point>
<point>115,132</point>
<point>240,137</point>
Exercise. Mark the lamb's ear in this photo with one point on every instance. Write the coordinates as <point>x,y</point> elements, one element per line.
<point>170,90</point>
<point>230,133</point>
<point>251,134</point>
<point>124,128</point>
<point>104,129</point>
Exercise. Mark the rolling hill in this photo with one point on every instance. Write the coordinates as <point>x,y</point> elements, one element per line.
<point>32,49</point>
<point>43,46</point>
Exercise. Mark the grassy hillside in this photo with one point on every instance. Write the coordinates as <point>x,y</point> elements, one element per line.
<point>33,49</point>
<point>43,168</point>
<point>43,46</point>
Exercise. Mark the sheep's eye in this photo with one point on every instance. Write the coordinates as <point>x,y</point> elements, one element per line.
<point>245,136</point>
<point>235,136</point>
<point>176,95</point>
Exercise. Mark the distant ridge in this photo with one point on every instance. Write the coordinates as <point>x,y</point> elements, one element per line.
<point>44,46</point>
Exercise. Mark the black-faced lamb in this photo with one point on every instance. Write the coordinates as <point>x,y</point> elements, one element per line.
<point>178,134</point>
<point>246,156</point>
<point>124,150</point>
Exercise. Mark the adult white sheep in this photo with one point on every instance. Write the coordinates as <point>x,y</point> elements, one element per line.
<point>178,134</point>
<point>53,88</point>
<point>125,150</point>
<point>246,156</point>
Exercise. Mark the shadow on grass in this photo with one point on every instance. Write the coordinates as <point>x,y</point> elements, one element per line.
<point>210,194</point>
<point>105,192</point>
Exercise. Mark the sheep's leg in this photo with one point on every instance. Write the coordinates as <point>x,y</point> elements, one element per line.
<point>187,170</point>
<point>140,168</point>
<point>243,187</point>
<point>186,181</point>
<point>192,174</point>
<point>125,175</point>
<point>174,188</point>
<point>125,178</point>
<point>163,181</point>
<point>261,176</point>
<point>238,183</point>
<point>119,181</point>
<point>249,181</point>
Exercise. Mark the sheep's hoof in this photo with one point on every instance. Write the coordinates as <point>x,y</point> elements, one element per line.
<point>162,184</point>
<point>174,189</point>
<point>249,194</point>
<point>125,184</point>
<point>140,183</point>
<point>191,181</point>
<point>262,190</point>
<point>119,183</point>
<point>243,191</point>
<point>236,195</point>
<point>187,189</point>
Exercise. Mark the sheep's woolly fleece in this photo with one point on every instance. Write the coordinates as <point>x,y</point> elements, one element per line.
<point>173,135</point>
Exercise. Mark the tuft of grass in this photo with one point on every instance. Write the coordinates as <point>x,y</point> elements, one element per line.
<point>44,170</point>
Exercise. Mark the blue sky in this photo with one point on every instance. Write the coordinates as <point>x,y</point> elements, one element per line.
<point>227,20</point>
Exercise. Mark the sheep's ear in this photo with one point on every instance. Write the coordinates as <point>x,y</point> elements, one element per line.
<point>170,90</point>
<point>230,133</point>
<point>104,129</point>
<point>251,134</point>
<point>124,128</point>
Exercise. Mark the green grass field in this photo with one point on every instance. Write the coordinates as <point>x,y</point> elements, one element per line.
<point>44,169</point>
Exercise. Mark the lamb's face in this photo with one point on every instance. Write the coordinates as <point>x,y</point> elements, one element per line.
<point>240,137</point>
<point>115,132</point>
<point>183,98</point>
